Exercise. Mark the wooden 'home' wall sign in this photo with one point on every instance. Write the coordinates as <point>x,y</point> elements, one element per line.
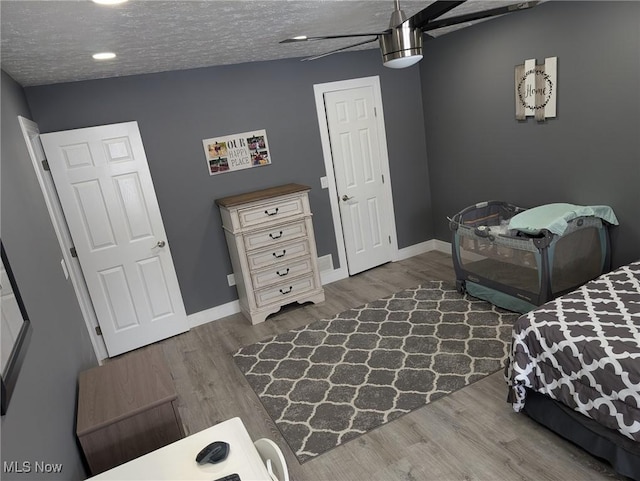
<point>536,89</point>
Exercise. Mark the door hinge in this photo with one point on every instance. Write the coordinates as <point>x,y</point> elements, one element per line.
<point>389,239</point>
<point>45,165</point>
<point>383,178</point>
<point>375,112</point>
<point>98,331</point>
<point>73,251</point>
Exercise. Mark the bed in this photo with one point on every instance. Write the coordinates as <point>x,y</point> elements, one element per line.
<point>574,366</point>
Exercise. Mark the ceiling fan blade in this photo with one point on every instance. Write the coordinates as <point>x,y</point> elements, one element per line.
<point>445,22</point>
<point>435,10</point>
<point>340,49</point>
<point>304,38</point>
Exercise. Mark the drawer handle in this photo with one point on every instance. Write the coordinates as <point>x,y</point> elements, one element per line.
<point>282,291</point>
<point>277,236</point>
<point>282,274</point>
<point>274,212</point>
<point>278,256</point>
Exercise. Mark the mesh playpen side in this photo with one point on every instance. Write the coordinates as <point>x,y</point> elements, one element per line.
<point>517,271</point>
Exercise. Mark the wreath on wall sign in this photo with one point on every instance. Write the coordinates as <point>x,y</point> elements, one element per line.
<point>547,89</point>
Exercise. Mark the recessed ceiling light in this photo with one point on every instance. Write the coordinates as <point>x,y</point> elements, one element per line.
<point>109,2</point>
<point>104,56</point>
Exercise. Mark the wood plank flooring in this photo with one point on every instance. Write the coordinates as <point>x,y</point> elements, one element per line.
<point>472,434</point>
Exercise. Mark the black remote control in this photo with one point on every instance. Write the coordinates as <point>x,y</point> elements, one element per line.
<point>229,477</point>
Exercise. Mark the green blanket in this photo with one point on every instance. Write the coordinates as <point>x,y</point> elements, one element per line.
<point>555,217</point>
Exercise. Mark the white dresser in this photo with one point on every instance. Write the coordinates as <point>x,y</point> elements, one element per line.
<point>273,249</point>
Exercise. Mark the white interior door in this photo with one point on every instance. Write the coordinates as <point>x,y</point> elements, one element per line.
<point>355,146</point>
<point>31,134</point>
<point>107,195</point>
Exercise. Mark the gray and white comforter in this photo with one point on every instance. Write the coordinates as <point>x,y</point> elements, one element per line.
<point>583,349</point>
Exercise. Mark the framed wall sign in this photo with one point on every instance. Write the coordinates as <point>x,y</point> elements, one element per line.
<point>237,152</point>
<point>536,88</point>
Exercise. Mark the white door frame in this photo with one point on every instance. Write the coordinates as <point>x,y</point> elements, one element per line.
<point>319,91</point>
<point>30,130</point>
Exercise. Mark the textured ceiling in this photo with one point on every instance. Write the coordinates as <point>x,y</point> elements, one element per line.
<point>51,41</point>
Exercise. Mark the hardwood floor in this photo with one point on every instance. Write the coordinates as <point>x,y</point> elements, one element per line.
<point>472,434</point>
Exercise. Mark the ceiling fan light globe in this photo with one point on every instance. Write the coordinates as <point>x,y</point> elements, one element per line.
<point>402,62</point>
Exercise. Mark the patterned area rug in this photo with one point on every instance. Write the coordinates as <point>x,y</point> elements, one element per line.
<point>333,380</point>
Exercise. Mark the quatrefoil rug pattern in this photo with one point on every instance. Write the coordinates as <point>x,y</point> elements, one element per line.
<point>333,380</point>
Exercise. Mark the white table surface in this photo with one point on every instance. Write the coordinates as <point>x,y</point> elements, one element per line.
<point>177,461</point>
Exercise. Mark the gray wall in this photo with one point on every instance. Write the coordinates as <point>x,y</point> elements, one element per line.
<point>589,154</point>
<point>40,422</point>
<point>176,110</point>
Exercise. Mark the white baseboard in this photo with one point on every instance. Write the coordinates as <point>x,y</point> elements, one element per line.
<point>326,277</point>
<point>441,246</point>
<point>328,273</point>
<point>427,246</point>
<point>213,314</point>
<point>413,250</point>
<point>233,307</point>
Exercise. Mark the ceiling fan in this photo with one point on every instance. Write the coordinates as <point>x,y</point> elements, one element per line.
<point>401,43</point>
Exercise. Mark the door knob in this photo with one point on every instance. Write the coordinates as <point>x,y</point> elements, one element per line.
<point>345,198</point>
<point>160,243</point>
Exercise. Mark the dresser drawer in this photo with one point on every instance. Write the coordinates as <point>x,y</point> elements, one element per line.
<point>282,233</point>
<point>276,211</point>
<point>278,254</point>
<point>281,292</point>
<point>281,272</point>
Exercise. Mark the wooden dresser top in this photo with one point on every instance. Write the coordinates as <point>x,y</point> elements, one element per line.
<point>122,388</point>
<point>264,194</point>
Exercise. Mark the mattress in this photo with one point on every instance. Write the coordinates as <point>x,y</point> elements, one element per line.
<point>583,350</point>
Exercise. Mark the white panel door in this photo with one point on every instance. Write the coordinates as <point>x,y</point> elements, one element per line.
<point>354,138</point>
<point>31,134</point>
<point>107,195</point>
